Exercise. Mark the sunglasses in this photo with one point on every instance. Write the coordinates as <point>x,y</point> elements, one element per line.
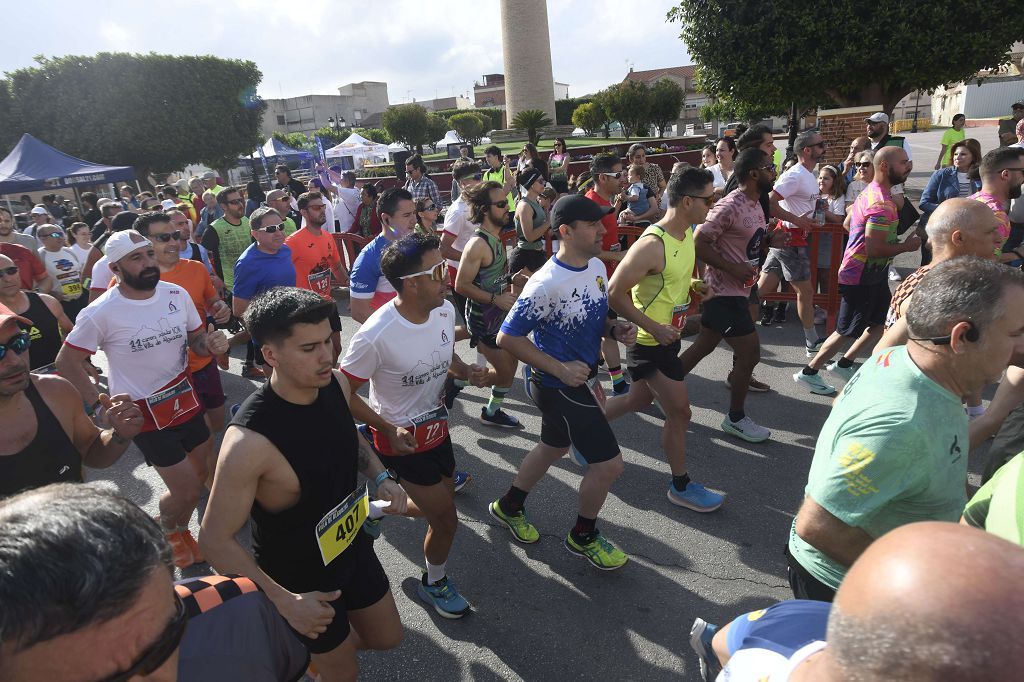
<point>19,343</point>
<point>709,200</point>
<point>164,238</point>
<point>271,229</point>
<point>9,272</point>
<point>430,207</point>
<point>159,651</point>
<point>612,175</point>
<point>770,166</point>
<point>235,201</point>
<point>862,164</point>
<point>501,204</point>
<point>54,234</point>
<point>438,273</point>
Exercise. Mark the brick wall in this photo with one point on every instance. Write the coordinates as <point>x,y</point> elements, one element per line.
<point>840,126</point>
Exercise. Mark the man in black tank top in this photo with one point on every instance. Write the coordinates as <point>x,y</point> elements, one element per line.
<point>290,459</point>
<point>47,315</point>
<point>47,436</point>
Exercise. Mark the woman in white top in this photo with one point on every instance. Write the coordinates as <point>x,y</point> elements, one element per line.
<point>830,184</point>
<point>725,152</point>
<point>865,172</point>
<point>87,254</point>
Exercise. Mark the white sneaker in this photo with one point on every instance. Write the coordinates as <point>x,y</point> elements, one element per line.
<point>746,429</point>
<point>894,276</point>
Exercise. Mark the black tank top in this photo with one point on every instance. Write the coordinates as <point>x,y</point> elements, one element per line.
<point>320,443</point>
<point>51,457</point>
<point>44,331</point>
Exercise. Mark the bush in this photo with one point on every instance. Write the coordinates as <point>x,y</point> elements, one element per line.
<point>469,126</point>
<point>492,116</point>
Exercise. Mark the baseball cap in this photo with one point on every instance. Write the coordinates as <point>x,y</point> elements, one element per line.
<point>1018,105</point>
<point>209,175</point>
<point>39,210</point>
<point>121,244</point>
<point>877,117</point>
<point>6,315</point>
<point>167,204</point>
<point>275,194</point>
<point>573,207</point>
<point>123,221</point>
<point>529,176</point>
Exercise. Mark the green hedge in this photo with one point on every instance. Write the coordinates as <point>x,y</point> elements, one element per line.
<point>493,116</point>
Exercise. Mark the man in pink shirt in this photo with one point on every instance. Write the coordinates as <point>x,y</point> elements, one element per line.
<point>1002,172</point>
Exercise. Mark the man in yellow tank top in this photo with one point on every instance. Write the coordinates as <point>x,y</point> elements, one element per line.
<point>651,288</point>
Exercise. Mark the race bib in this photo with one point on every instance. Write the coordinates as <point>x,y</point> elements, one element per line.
<point>320,282</point>
<point>597,390</point>
<point>679,315</point>
<point>430,429</point>
<point>71,289</point>
<point>340,526</point>
<point>169,405</point>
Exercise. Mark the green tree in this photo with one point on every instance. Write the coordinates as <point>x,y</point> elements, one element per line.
<point>10,129</point>
<point>295,140</point>
<point>407,123</point>
<point>437,128</point>
<point>565,108</point>
<point>667,100</point>
<point>589,116</point>
<point>468,126</point>
<point>376,134</point>
<point>117,108</point>
<point>531,120</point>
<point>329,136</point>
<point>628,103</point>
<point>792,63</point>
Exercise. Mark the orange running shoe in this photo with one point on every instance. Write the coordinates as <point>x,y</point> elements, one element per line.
<point>193,546</point>
<point>180,551</point>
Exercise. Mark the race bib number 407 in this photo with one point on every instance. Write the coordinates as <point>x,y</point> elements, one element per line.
<point>338,528</point>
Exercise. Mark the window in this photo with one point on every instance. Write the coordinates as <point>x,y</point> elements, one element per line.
<point>357,115</point>
<point>280,120</point>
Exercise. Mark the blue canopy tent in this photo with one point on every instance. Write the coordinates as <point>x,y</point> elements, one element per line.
<point>34,165</point>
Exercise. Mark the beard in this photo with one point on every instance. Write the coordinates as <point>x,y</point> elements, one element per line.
<point>146,280</point>
<point>896,178</point>
<point>1015,191</point>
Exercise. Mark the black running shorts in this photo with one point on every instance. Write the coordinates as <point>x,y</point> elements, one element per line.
<point>571,416</point>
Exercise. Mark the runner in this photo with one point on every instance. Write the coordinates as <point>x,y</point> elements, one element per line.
<point>144,326</point>
<point>369,289</point>
<point>101,275</point>
<point>405,350</point>
<point>531,223</point>
<point>227,236</point>
<point>310,558</point>
<point>565,305</point>
<point>64,269</point>
<point>483,278</point>
<point>315,257</point>
<point>49,321</point>
<point>651,288</point>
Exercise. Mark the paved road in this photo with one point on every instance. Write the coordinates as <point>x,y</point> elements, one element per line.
<point>541,613</point>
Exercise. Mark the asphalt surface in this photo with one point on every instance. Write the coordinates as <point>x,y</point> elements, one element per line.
<point>541,613</point>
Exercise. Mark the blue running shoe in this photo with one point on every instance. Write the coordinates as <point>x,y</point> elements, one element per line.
<point>443,596</point>
<point>234,409</point>
<point>499,418</point>
<point>461,479</point>
<point>701,634</point>
<point>695,497</point>
<point>372,527</point>
<point>621,388</point>
<point>575,456</point>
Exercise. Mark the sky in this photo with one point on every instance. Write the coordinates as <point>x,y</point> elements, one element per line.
<point>421,49</point>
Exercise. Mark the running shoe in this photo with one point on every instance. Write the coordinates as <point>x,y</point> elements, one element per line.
<point>520,527</point>
<point>766,315</point>
<point>461,479</point>
<point>372,527</point>
<point>598,551</point>
<point>695,497</point>
<point>499,418</point>
<point>253,372</point>
<point>813,348</point>
<point>845,372</point>
<point>577,457</point>
<point>621,388</point>
<point>746,429</point>
<point>443,596</point>
<point>528,382</point>
<point>451,390</point>
<point>701,634</point>
<point>181,553</point>
<point>780,314</point>
<point>754,385</point>
<point>193,546</point>
<point>815,382</point>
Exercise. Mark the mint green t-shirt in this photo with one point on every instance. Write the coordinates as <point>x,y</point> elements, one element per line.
<point>998,506</point>
<point>950,138</point>
<point>892,452</point>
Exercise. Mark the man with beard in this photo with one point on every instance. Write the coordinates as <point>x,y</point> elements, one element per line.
<point>228,236</point>
<point>1002,172</point>
<point>8,235</point>
<point>863,282</point>
<point>144,327</point>
<point>49,321</point>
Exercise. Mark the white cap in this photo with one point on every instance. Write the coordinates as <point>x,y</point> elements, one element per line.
<point>120,244</point>
<point>168,204</point>
<point>878,117</point>
<point>39,210</point>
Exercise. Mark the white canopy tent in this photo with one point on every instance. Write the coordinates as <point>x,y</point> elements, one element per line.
<point>360,149</point>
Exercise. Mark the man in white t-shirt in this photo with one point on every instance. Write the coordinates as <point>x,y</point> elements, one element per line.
<point>792,201</point>
<point>346,197</point>
<point>101,272</point>
<point>145,326</point>
<point>405,350</point>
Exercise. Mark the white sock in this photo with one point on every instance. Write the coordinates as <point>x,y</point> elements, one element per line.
<point>377,508</point>
<point>811,335</point>
<point>975,410</point>
<point>434,573</point>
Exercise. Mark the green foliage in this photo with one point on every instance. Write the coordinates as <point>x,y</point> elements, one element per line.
<point>493,116</point>
<point>469,126</point>
<point>376,134</point>
<point>120,108</point>
<point>666,98</point>
<point>727,110</point>
<point>590,116</point>
<point>407,123</point>
<point>531,120</point>
<point>903,47</point>
<point>565,108</point>
<point>437,128</point>
<point>330,137</point>
<point>628,103</point>
<point>295,140</point>
<point>10,131</point>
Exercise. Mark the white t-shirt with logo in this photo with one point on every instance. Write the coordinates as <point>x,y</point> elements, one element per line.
<point>145,341</point>
<point>405,363</point>
<point>65,269</point>
<point>101,275</point>
<point>456,223</point>
<point>798,188</point>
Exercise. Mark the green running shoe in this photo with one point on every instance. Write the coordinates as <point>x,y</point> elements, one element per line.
<point>599,552</point>
<point>518,524</point>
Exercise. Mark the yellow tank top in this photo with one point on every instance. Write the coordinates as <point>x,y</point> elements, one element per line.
<point>665,297</point>
<point>498,176</point>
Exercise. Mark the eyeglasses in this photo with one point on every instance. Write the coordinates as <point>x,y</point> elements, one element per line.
<point>612,175</point>
<point>862,164</point>
<point>235,201</point>
<point>9,272</point>
<point>709,200</point>
<point>168,236</point>
<point>438,273</point>
<point>159,651</point>
<point>770,166</point>
<point>271,229</point>
<point>19,343</point>
<point>500,204</point>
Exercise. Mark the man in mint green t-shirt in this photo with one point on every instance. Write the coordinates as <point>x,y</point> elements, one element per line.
<point>894,449</point>
<point>998,506</point>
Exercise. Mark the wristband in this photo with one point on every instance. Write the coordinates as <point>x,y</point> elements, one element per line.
<point>381,477</point>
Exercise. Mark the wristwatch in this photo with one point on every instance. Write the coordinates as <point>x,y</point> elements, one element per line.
<point>383,476</point>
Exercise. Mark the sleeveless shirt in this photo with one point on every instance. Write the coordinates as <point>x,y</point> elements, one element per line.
<point>50,457</point>
<point>44,331</point>
<point>658,296</point>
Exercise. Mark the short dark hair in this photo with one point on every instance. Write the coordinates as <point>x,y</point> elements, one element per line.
<point>479,199</point>
<point>281,168</point>
<point>90,198</point>
<point>603,163</point>
<point>999,159</point>
<point>371,189</point>
<point>956,116</point>
<point>390,198</point>
<point>72,555</point>
<point>752,136</point>
<point>256,219</point>
<point>222,196</point>
<point>463,169</point>
<point>416,161</point>
<point>113,206</point>
<point>8,212</point>
<point>493,150</point>
<point>729,142</point>
<point>306,197</point>
<point>169,191</point>
<point>143,222</point>
<point>272,314</point>
<point>750,159</point>
<point>690,181</point>
<point>405,257</point>
<point>349,177</point>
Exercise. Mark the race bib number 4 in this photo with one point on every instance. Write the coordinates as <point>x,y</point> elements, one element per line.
<point>340,526</point>
<point>679,315</point>
<point>170,404</point>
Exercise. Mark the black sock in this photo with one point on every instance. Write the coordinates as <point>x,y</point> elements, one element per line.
<point>584,529</point>
<point>845,363</point>
<point>809,371</point>
<point>735,416</point>
<point>512,502</point>
<point>680,482</point>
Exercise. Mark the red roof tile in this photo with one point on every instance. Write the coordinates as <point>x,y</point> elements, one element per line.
<point>654,74</point>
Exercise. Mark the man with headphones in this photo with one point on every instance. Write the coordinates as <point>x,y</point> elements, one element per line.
<point>894,449</point>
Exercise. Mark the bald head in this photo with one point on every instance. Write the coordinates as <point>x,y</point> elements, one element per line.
<point>891,166</point>
<point>963,227</point>
<point>931,601</point>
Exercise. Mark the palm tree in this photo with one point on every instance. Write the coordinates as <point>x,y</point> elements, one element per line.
<point>531,120</point>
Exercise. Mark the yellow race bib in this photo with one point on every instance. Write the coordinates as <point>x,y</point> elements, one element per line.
<point>339,527</point>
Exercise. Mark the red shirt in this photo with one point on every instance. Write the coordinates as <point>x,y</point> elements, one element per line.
<point>30,268</point>
<point>610,241</point>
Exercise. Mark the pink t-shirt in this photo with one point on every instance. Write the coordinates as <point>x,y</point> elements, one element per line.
<point>735,226</point>
<point>999,209</point>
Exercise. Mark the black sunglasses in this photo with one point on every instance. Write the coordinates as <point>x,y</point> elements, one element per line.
<point>159,651</point>
<point>10,272</point>
<point>19,343</point>
<point>176,236</point>
<point>271,229</point>
<point>862,164</point>
<point>500,204</point>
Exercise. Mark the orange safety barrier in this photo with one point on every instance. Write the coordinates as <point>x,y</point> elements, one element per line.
<point>350,244</point>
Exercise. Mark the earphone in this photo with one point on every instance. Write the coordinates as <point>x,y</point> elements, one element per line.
<point>972,335</point>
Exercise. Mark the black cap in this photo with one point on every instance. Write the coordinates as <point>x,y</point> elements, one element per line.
<point>1018,105</point>
<point>573,207</point>
<point>123,221</point>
